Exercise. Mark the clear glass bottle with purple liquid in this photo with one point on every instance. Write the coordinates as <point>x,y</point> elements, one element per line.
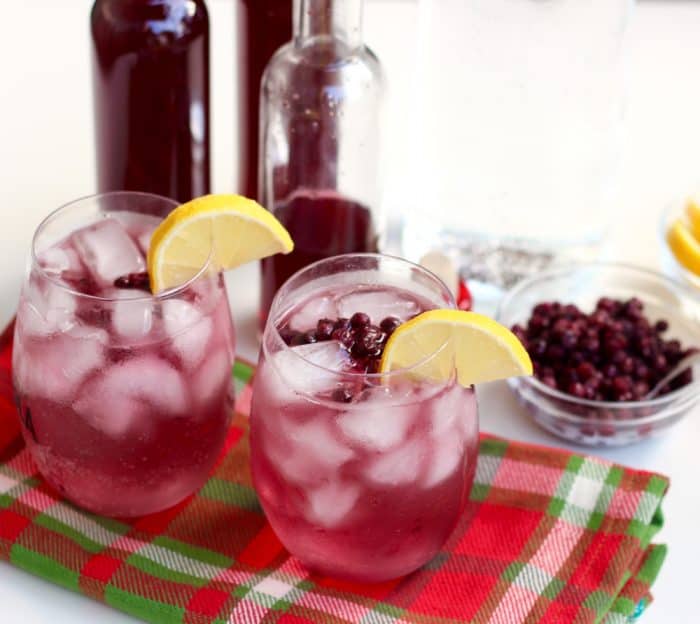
<point>319,143</point>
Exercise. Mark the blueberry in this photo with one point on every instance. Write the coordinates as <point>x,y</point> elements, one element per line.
<point>586,370</point>
<point>298,339</point>
<point>391,323</point>
<point>342,323</point>
<point>342,395</point>
<point>324,329</point>
<point>135,281</point>
<point>344,336</point>
<point>359,319</point>
<point>287,335</point>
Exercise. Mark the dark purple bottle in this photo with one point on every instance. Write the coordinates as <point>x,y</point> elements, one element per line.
<point>151,89</point>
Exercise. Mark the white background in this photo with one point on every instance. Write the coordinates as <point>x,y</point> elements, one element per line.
<point>46,159</point>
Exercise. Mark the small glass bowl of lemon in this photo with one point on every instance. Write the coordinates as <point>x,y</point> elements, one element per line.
<point>679,233</point>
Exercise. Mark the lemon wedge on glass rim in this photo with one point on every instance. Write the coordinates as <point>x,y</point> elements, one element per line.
<point>224,230</point>
<point>436,342</point>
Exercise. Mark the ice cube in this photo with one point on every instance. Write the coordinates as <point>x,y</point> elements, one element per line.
<point>329,504</point>
<point>131,318</point>
<point>124,415</point>
<point>212,377</point>
<point>292,465</point>
<point>378,304</point>
<point>312,311</point>
<point>400,466</point>
<point>315,440</point>
<point>189,329</point>
<point>454,423</point>
<point>191,344</point>
<point>179,315</point>
<point>110,401</point>
<point>139,226</point>
<point>299,366</point>
<point>60,306</point>
<point>468,420</point>
<point>60,259</point>
<point>108,252</point>
<point>46,308</point>
<point>454,413</point>
<point>377,422</point>
<point>34,324</point>
<point>88,332</point>
<point>278,393</point>
<point>57,367</point>
<point>446,410</point>
<point>308,453</point>
<point>447,456</point>
<point>144,241</point>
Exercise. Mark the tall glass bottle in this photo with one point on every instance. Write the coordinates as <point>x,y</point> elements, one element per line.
<point>263,27</point>
<point>320,122</point>
<point>151,96</point>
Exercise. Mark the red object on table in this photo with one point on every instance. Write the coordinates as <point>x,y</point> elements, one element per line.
<point>465,300</point>
<point>9,421</point>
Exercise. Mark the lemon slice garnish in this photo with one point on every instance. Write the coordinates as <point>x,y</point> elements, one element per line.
<point>228,230</point>
<point>692,212</point>
<point>684,245</point>
<point>480,348</point>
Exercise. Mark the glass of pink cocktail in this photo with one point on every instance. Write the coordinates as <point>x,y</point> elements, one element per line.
<point>362,475</point>
<point>124,396</point>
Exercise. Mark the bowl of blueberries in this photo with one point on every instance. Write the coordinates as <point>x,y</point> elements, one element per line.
<point>613,348</point>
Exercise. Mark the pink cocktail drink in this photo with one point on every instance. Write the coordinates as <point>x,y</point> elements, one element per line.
<point>124,397</point>
<point>361,475</point>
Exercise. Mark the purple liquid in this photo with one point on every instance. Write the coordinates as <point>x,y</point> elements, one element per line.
<point>321,226</point>
<point>151,86</point>
<point>263,27</point>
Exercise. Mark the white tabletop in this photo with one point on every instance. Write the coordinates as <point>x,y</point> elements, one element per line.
<point>46,159</point>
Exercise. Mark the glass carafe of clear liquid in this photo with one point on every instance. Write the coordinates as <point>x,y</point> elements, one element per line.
<point>519,109</point>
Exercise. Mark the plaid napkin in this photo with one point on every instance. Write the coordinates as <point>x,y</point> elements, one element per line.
<point>547,537</point>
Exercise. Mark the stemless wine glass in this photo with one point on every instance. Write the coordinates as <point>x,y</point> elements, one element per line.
<point>362,475</point>
<point>124,397</point>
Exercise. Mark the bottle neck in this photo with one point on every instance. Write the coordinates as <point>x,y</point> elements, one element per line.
<point>328,20</point>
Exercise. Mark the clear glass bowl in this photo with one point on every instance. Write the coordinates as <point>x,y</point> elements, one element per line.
<point>602,423</point>
<point>669,264</point>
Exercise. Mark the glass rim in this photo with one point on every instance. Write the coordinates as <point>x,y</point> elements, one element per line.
<point>150,297</point>
<point>357,375</point>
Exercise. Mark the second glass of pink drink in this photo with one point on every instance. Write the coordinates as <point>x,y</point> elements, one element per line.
<point>362,475</point>
<point>125,397</point>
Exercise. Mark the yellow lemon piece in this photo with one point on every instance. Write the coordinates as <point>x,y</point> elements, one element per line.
<point>684,245</point>
<point>436,342</point>
<point>692,211</point>
<point>226,230</point>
